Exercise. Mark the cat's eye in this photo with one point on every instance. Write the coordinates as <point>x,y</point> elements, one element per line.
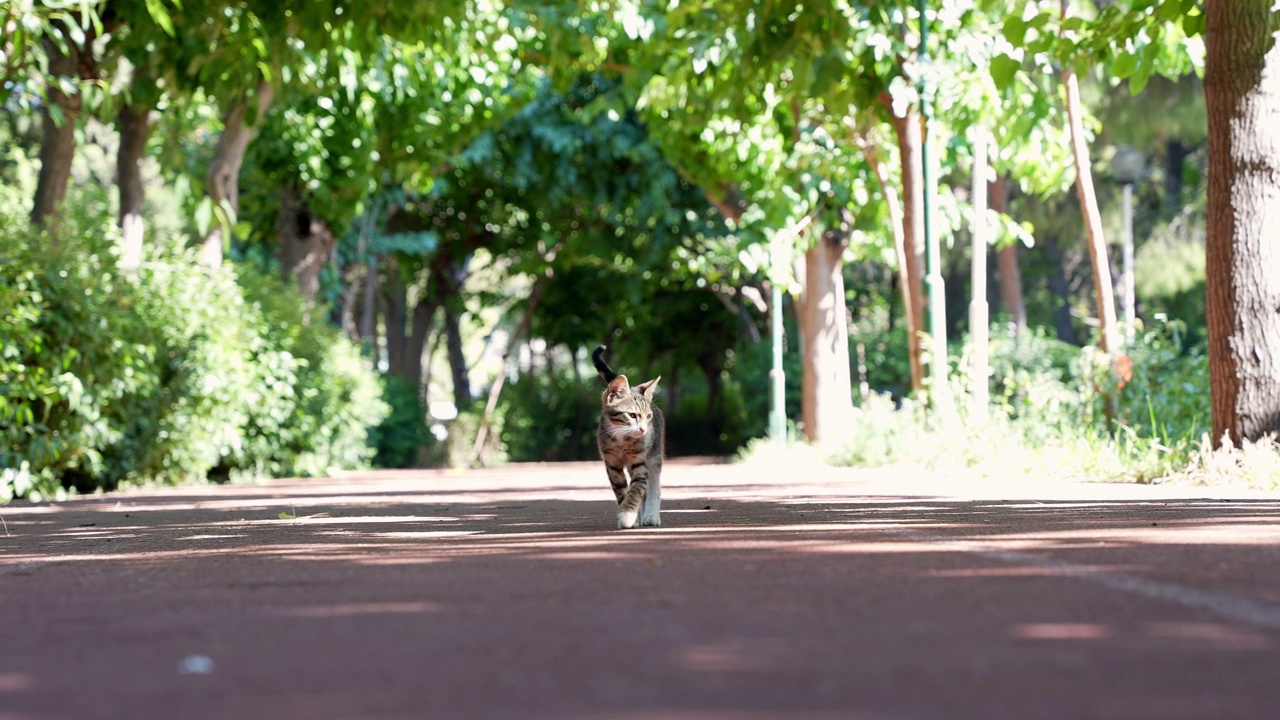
<point>634,416</point>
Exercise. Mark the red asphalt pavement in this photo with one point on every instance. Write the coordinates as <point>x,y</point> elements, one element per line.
<point>778,592</point>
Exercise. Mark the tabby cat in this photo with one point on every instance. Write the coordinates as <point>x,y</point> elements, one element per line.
<point>631,445</point>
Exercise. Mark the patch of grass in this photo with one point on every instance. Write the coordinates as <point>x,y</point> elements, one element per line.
<point>1256,464</point>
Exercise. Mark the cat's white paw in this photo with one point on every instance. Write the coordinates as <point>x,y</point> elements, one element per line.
<point>653,520</point>
<point>626,519</point>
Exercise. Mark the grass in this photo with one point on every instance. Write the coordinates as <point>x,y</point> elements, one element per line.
<point>888,435</point>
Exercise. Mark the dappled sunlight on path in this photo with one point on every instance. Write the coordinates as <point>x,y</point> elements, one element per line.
<point>489,593</point>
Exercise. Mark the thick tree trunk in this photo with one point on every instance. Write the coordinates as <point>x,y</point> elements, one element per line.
<point>58,141</point>
<point>827,398</point>
<point>133,123</point>
<point>1242,284</point>
<point>1011,295</point>
<point>908,130</point>
<point>306,243</point>
<point>222,184</point>
<point>1102,287</point>
<point>407,328</point>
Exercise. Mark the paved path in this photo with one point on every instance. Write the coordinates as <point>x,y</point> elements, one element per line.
<point>784,593</point>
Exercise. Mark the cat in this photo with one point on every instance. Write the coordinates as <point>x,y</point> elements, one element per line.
<point>631,444</point>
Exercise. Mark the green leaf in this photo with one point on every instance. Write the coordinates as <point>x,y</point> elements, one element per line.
<point>204,216</point>
<point>1125,64</point>
<point>158,13</point>
<point>1015,30</point>
<point>1193,24</point>
<point>1003,70</point>
<point>1169,10</point>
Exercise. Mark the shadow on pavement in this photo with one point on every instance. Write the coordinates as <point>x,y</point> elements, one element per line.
<point>506,593</point>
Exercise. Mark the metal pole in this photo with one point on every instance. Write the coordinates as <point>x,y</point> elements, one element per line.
<point>778,409</point>
<point>978,311</point>
<point>933,253</point>
<point>1130,312</point>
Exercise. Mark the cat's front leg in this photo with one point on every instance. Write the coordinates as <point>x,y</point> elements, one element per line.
<point>635,496</point>
<point>651,511</point>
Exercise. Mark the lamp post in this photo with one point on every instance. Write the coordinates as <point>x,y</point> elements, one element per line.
<point>1127,166</point>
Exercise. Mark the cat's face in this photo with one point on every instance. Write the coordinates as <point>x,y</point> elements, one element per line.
<point>628,411</point>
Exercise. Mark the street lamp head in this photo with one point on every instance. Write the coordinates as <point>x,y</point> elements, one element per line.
<point>1127,164</point>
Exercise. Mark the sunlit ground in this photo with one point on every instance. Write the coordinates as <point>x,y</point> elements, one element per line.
<point>769,591</point>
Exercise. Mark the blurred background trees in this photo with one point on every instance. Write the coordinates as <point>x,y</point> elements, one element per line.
<point>244,240</point>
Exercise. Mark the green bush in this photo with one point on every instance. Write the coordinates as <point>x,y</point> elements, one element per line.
<point>166,375</point>
<point>76,360</point>
<point>1048,414</point>
<point>404,430</point>
<point>749,387</point>
<point>550,416</point>
<point>1164,386</point>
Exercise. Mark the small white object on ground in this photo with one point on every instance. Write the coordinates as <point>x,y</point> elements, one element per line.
<point>196,665</point>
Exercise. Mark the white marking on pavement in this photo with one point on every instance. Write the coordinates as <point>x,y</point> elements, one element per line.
<point>1225,605</point>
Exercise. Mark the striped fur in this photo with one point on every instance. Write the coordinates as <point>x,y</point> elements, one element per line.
<point>631,445</point>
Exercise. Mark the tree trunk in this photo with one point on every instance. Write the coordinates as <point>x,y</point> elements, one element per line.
<point>1011,295</point>
<point>58,142</point>
<point>457,360</point>
<point>133,123</point>
<point>368,327</point>
<point>394,311</point>
<point>222,183</point>
<point>416,343</point>
<point>1102,288</point>
<point>306,243</point>
<point>1242,284</point>
<point>827,403</point>
<point>908,130</point>
<point>911,294</point>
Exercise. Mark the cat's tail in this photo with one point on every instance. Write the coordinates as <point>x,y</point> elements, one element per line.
<point>606,372</point>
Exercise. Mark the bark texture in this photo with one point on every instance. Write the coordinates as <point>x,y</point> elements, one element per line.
<point>58,140</point>
<point>1242,99</point>
<point>223,181</point>
<point>827,397</point>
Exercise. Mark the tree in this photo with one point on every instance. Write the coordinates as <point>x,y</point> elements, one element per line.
<point>1242,98</point>
<point>1104,292</point>
<point>70,59</point>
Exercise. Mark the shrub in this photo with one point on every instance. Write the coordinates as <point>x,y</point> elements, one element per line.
<point>164,375</point>
<point>404,430</point>
<point>549,416</point>
<point>1048,415</point>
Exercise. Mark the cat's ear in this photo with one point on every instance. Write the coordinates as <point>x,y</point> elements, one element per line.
<point>646,389</point>
<point>617,389</point>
